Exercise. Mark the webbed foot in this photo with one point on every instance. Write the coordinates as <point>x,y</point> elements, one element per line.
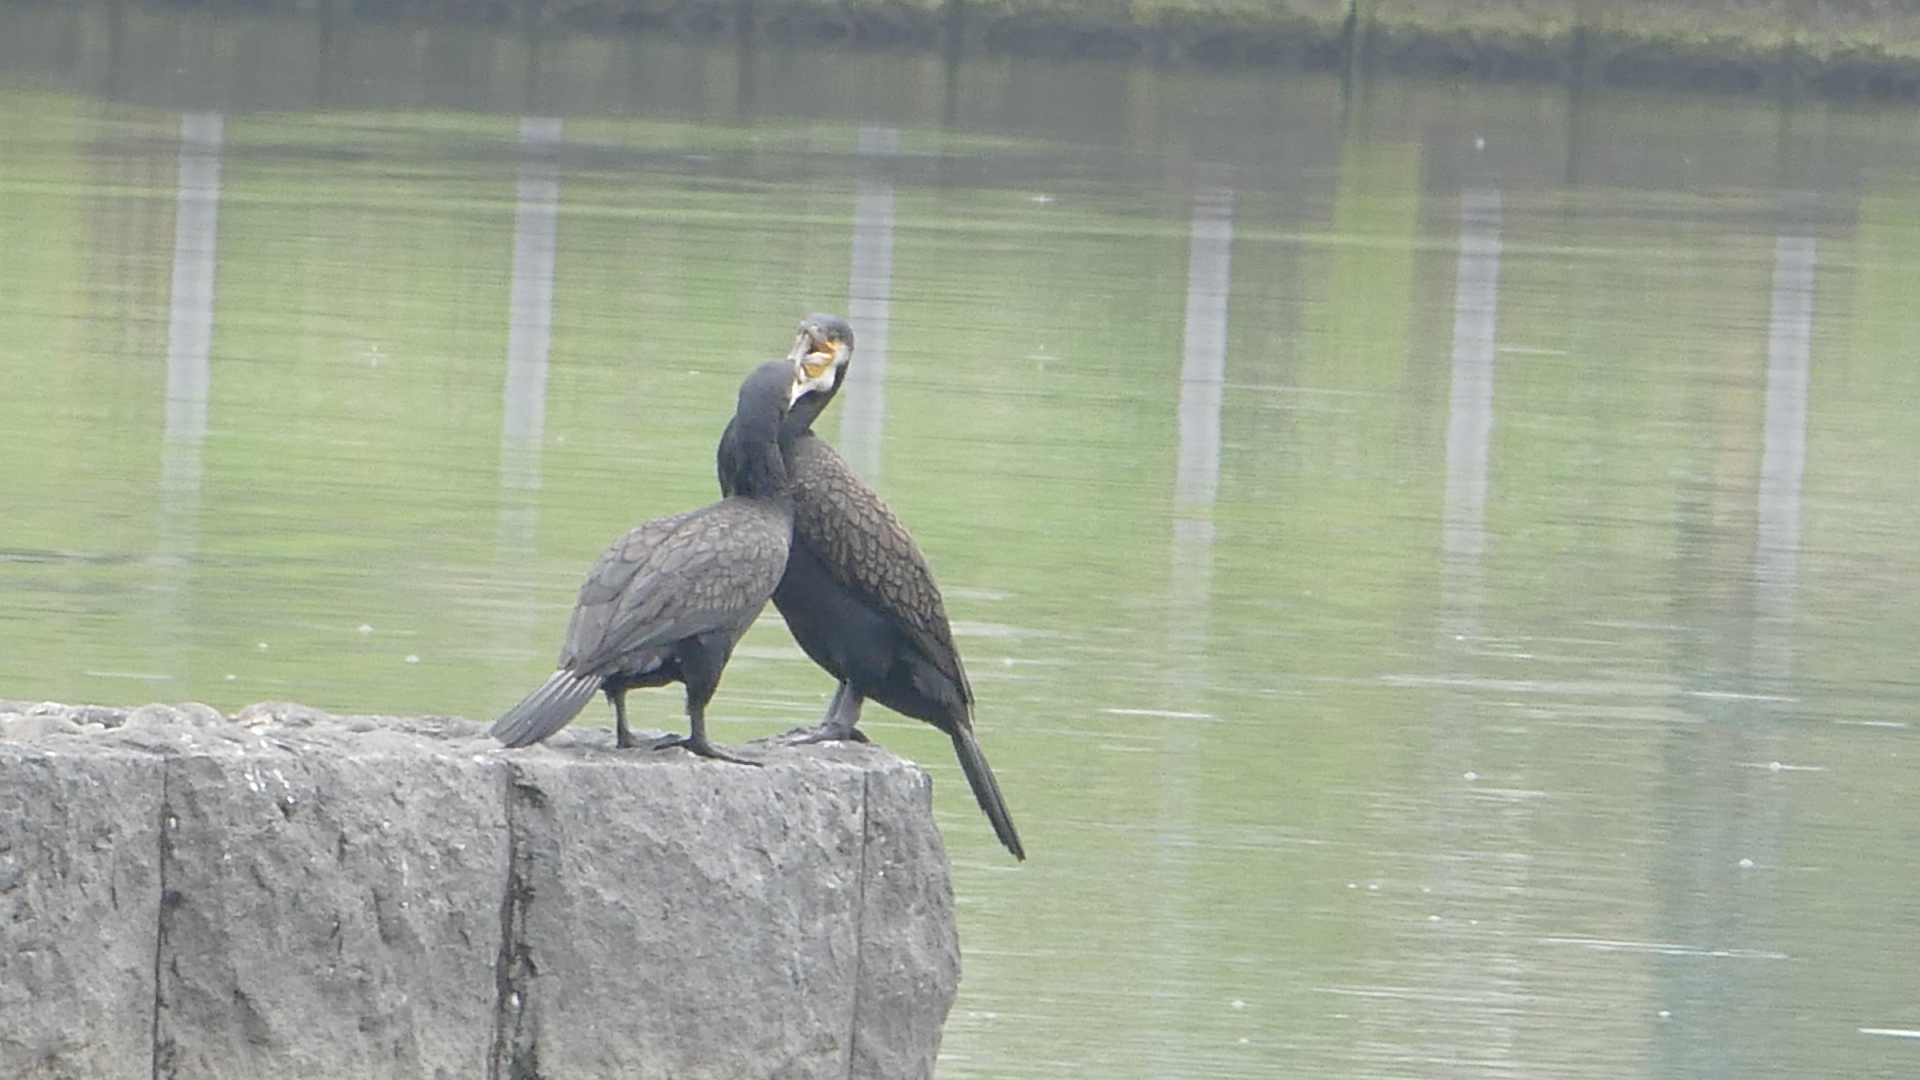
<point>827,731</point>
<point>701,746</point>
<point>626,741</point>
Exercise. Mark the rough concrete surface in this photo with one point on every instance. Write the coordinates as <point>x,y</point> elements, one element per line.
<point>903,976</point>
<point>79,901</point>
<point>291,894</point>
<point>331,906</point>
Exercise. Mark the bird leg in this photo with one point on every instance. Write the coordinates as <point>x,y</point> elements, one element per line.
<point>696,741</point>
<point>839,726</point>
<point>622,738</point>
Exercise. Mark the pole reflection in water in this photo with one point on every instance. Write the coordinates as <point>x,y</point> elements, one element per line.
<point>1469,972</point>
<point>1476,304</point>
<point>1203,364</point>
<point>189,379</point>
<point>1203,373</point>
<point>190,334</point>
<point>536,226</point>
<point>1783,457</point>
<point>1203,367</point>
<point>536,229</point>
<point>1720,874</point>
<point>863,407</point>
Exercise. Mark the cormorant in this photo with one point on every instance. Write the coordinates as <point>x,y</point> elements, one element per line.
<point>857,593</point>
<point>668,600</point>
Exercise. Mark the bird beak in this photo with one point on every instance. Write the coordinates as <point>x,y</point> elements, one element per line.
<point>813,371</point>
<point>814,357</point>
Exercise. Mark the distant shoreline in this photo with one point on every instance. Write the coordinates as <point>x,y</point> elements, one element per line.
<point>1739,46</point>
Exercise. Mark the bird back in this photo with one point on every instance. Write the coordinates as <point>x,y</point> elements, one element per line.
<point>678,576</point>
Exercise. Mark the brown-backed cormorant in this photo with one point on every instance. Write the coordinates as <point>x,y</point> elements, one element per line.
<point>668,600</point>
<point>857,593</point>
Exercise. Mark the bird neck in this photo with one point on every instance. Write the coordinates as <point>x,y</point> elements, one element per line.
<point>758,469</point>
<point>799,419</point>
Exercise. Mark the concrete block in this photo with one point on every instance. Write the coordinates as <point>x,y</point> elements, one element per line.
<point>910,952</point>
<point>692,919</point>
<point>79,904</point>
<point>331,906</point>
<point>292,894</point>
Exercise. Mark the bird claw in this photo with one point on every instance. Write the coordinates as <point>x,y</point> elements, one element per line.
<point>624,741</point>
<point>701,747</point>
<point>822,733</point>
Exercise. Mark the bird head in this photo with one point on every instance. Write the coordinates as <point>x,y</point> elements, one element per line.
<point>820,354</point>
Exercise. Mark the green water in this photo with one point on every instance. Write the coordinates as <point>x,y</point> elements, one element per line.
<point>1359,744</point>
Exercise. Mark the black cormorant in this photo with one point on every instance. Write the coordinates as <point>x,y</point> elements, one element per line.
<point>857,593</point>
<point>668,600</point>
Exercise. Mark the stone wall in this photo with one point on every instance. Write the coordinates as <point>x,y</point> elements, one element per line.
<point>291,894</point>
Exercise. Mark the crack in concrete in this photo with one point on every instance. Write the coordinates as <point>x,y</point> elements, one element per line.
<point>162,856</point>
<point>514,1049</point>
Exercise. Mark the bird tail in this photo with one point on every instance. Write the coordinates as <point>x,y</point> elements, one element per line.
<point>986,790</point>
<point>547,709</point>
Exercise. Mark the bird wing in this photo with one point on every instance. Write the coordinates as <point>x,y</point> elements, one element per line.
<point>867,550</point>
<point>675,577</point>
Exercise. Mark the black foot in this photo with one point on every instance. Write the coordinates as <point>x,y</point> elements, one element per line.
<point>828,731</point>
<point>702,747</point>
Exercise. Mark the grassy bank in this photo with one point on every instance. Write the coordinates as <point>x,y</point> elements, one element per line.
<point>1832,47</point>
<point>1819,46</point>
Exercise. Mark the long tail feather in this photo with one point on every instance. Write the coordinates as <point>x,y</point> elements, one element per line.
<point>547,709</point>
<point>986,790</point>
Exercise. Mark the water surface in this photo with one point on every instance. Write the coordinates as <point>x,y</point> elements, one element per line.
<point>1433,559</point>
